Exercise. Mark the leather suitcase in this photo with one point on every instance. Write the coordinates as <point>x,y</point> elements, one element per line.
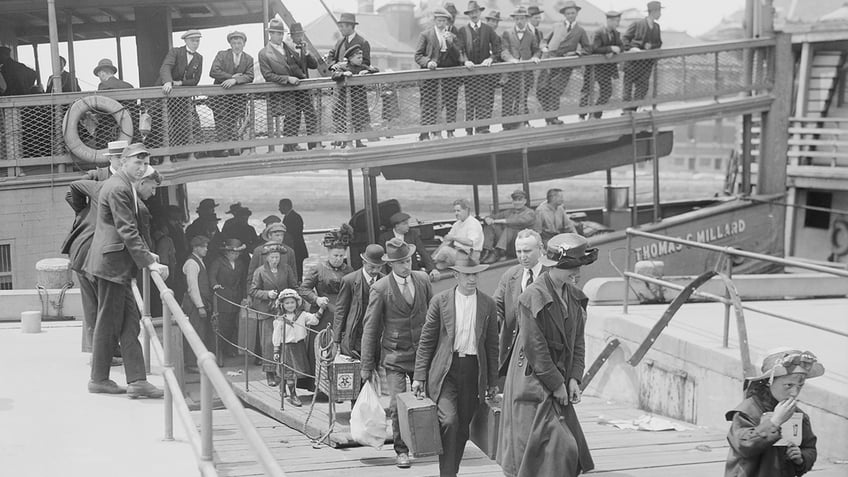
<point>485,427</point>
<point>419,424</point>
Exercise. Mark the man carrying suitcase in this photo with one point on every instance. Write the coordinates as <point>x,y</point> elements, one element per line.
<point>457,358</point>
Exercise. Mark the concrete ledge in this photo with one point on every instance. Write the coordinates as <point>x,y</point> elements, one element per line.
<point>610,291</point>
<point>16,301</point>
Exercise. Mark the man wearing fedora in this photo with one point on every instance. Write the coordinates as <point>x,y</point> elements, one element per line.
<point>396,311</point>
<point>230,68</point>
<point>567,40</point>
<point>457,358</point>
<point>182,66</point>
<point>107,127</point>
<point>287,63</point>
<point>540,431</point>
<point>493,19</point>
<point>350,37</point>
<point>480,46</point>
<point>518,44</point>
<point>227,277</point>
<point>205,221</point>
<point>117,252</point>
<point>533,22</point>
<point>641,35</point>
<point>401,230</point>
<point>352,301</point>
<point>501,228</point>
<point>237,227</point>
<point>438,47</point>
<point>528,248</point>
<point>606,41</point>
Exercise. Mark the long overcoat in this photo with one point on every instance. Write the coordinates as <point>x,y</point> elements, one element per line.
<point>351,303</point>
<point>539,436</point>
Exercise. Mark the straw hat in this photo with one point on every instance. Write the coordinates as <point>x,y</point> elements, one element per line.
<point>191,34</point>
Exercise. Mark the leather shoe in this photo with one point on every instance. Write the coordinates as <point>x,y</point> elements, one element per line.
<point>142,388</point>
<point>107,386</point>
<point>402,461</point>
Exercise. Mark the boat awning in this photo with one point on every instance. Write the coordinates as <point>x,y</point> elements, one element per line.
<point>544,163</point>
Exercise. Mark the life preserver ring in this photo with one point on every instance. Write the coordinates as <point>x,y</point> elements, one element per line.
<point>101,104</point>
<point>840,227</point>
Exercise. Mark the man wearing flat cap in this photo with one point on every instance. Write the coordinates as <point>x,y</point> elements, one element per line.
<point>350,37</point>
<point>457,359</point>
<point>182,66</point>
<point>480,46</point>
<point>641,35</point>
<point>401,230</point>
<point>438,47</point>
<point>541,434</point>
<point>352,301</point>
<point>567,40</point>
<point>501,228</point>
<point>607,42</point>
<point>397,308</point>
<point>230,68</point>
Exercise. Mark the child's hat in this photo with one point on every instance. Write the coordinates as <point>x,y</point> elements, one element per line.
<point>789,361</point>
<point>352,51</point>
<point>289,293</point>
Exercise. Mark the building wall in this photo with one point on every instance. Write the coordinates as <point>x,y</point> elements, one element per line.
<point>34,222</point>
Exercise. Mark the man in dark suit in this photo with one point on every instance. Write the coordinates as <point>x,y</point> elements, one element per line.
<point>396,311</point>
<point>69,83</point>
<point>568,39</point>
<point>480,46</point>
<point>106,72</point>
<point>456,362</point>
<point>607,42</point>
<point>347,27</point>
<point>518,44</point>
<point>230,68</point>
<point>182,67</point>
<point>107,127</point>
<point>534,21</point>
<point>286,64</point>
<point>352,301</point>
<point>401,230</point>
<point>294,234</point>
<point>528,249</point>
<point>118,252</point>
<point>641,35</point>
<point>438,47</point>
<point>19,78</point>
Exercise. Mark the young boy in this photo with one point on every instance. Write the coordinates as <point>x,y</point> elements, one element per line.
<point>360,116</point>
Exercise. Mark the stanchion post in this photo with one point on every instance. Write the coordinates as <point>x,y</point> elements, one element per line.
<point>247,350</point>
<point>168,364</point>
<point>728,270</point>
<point>145,278</point>
<point>205,416</point>
<point>282,368</point>
<point>626,298</point>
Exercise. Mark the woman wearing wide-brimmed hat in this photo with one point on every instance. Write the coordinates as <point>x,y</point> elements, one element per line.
<point>267,283</point>
<point>541,434</point>
<point>227,275</point>
<point>758,448</point>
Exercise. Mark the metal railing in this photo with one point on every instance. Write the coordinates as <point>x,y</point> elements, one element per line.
<point>727,253</point>
<point>266,117</point>
<point>211,381</point>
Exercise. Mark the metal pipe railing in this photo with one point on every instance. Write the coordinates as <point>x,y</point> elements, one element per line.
<point>212,380</point>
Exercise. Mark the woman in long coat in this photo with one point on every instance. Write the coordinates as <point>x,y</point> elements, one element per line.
<point>227,275</point>
<point>268,281</point>
<point>323,281</point>
<point>541,435</point>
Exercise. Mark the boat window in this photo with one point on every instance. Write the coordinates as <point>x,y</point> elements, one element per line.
<point>5,266</point>
<point>818,219</point>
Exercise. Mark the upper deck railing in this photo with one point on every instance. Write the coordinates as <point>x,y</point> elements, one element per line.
<point>250,119</point>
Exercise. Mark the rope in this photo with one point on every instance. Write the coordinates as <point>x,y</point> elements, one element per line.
<point>325,352</point>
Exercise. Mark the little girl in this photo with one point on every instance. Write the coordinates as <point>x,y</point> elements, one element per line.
<point>753,433</point>
<point>295,321</point>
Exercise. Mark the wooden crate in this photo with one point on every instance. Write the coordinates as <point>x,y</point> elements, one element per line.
<point>419,424</point>
<point>343,374</point>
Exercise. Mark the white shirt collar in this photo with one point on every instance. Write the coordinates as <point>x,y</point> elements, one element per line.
<point>351,37</point>
<point>400,280</point>
<point>366,275</point>
<point>398,234</point>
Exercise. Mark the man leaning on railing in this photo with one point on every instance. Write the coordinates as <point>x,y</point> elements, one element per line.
<point>438,48</point>
<point>641,35</point>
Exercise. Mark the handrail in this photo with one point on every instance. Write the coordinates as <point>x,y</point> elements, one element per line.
<point>211,378</point>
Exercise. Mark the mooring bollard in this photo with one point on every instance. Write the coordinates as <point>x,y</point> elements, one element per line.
<point>30,322</point>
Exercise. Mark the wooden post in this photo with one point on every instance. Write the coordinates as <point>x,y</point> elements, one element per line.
<point>774,137</point>
<point>494,165</point>
<point>120,54</point>
<point>153,40</point>
<point>370,206</point>
<point>72,64</point>
<point>747,122</point>
<point>350,193</point>
<point>525,174</point>
<point>476,193</point>
<point>53,28</point>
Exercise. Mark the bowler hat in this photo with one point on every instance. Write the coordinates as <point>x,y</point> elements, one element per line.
<point>518,194</point>
<point>273,247</point>
<point>207,205</point>
<point>398,217</point>
<point>236,34</point>
<point>451,8</point>
<point>441,12</point>
<point>397,250</point>
<point>534,10</point>
<point>352,51</point>
<point>347,18</point>
<point>278,227</point>
<point>105,64</point>
<point>568,251</point>
<point>116,148</point>
<point>493,15</point>
<point>789,361</point>
<point>191,34</point>
<point>373,254</point>
<point>238,210</point>
<point>135,149</point>
<point>521,11</point>
<point>613,14</point>
<point>654,6</point>
<point>295,28</point>
<point>473,5</point>
<point>232,245</point>
<point>271,219</point>
<point>276,24</point>
<point>466,264</point>
<point>569,4</point>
